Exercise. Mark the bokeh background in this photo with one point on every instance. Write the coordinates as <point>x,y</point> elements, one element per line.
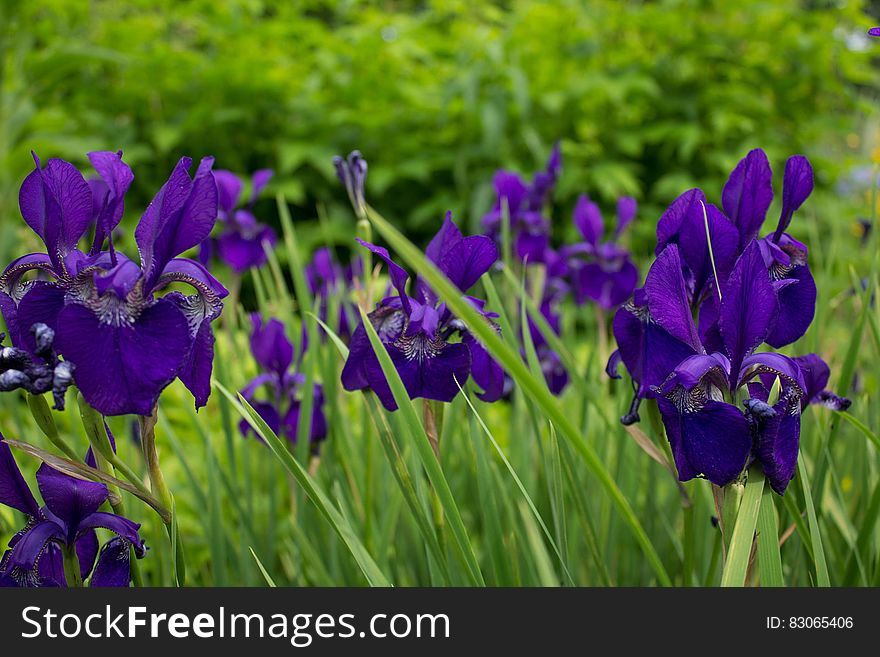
<point>648,98</point>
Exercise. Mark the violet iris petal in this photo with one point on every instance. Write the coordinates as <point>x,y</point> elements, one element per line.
<point>747,194</point>
<point>69,519</point>
<point>816,374</point>
<point>117,177</point>
<point>123,368</point>
<point>415,331</point>
<point>749,308</point>
<point>179,217</point>
<point>56,202</point>
<point>797,186</point>
<point>142,343</point>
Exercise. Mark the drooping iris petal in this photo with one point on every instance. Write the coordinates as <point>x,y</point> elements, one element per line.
<point>117,178</point>
<point>122,527</point>
<point>874,32</point>
<point>317,426</point>
<point>56,202</point>
<point>121,369</point>
<point>749,308</point>
<point>797,306</point>
<point>748,193</point>
<point>777,445</point>
<point>667,298</point>
<point>270,346</point>
<point>669,226</point>
<point>179,217</point>
<point>588,220</point>
<point>14,491</point>
<point>607,287</point>
<point>242,251</point>
<point>485,370</point>
<point>647,350</point>
<point>531,246</point>
<point>797,186</point>
<point>86,552</point>
<point>29,549</point>
<point>69,498</point>
<point>428,368</point>
<point>712,442</point>
<point>389,324</point>
<point>114,565</point>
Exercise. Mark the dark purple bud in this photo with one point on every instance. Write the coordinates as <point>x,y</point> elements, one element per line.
<point>352,172</point>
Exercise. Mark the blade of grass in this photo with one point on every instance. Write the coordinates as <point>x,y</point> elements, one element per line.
<point>734,573</point>
<point>537,390</point>
<point>323,503</point>
<point>769,558</point>
<point>263,570</point>
<point>419,438</point>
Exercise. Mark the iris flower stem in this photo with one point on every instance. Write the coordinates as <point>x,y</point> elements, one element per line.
<point>430,422</point>
<point>102,449</point>
<point>157,482</point>
<point>43,417</point>
<point>731,496</point>
<point>72,571</point>
<point>365,232</point>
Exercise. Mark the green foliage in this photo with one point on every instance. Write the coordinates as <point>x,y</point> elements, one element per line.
<point>649,98</point>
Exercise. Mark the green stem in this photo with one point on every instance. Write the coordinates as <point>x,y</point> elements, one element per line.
<point>741,542</point>
<point>158,485</point>
<point>43,417</point>
<point>71,567</point>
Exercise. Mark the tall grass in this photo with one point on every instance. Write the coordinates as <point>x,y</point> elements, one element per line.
<point>536,491</point>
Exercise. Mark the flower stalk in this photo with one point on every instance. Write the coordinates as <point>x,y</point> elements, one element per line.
<point>43,416</point>
<point>147,425</point>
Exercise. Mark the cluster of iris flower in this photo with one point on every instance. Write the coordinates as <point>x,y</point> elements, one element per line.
<point>68,522</point>
<point>432,350</point>
<point>594,270</point>
<point>123,342</point>
<point>241,239</point>
<point>280,404</point>
<point>690,337</point>
<point>119,329</point>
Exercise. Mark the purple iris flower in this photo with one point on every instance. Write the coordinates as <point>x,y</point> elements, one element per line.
<point>554,371</point>
<point>36,373</point>
<point>326,277</point>
<point>280,409</point>
<point>874,32</point>
<point>745,199</point>
<point>418,331</point>
<point>601,271</point>
<point>124,343</point>
<point>67,522</point>
<point>529,228</point>
<point>716,405</point>
<point>241,239</point>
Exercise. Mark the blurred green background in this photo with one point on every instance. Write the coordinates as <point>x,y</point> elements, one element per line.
<point>648,98</point>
